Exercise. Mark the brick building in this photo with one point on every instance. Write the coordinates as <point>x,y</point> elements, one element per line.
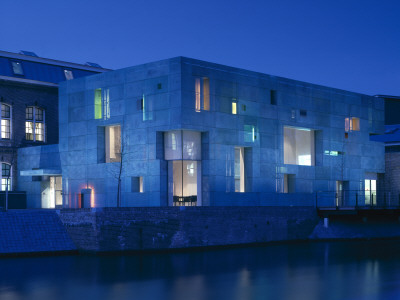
<point>29,104</point>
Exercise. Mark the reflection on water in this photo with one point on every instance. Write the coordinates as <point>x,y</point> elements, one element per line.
<point>339,270</point>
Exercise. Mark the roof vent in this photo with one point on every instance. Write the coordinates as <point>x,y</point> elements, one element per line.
<point>92,64</point>
<point>29,53</point>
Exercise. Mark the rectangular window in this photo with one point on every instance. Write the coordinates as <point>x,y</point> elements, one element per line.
<point>273,97</point>
<point>97,104</point>
<point>289,183</point>
<point>5,121</point>
<point>68,75</point>
<point>113,143</point>
<point>234,107</point>
<point>202,94</point>
<point>35,124</point>
<point>352,124</point>
<point>5,177</point>
<point>17,68</point>
<point>250,133</point>
<point>298,146</point>
<point>137,184</point>
<point>102,104</point>
<point>239,170</point>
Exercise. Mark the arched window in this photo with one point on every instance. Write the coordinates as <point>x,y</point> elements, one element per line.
<point>5,176</point>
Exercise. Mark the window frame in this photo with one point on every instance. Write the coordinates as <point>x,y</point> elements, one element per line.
<point>35,121</point>
<point>202,93</point>
<point>4,178</point>
<point>9,119</point>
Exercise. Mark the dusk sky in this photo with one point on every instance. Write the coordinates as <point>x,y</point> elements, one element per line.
<point>351,45</point>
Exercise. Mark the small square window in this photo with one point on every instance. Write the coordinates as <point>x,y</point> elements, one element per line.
<point>17,68</point>
<point>137,184</point>
<point>159,86</point>
<point>68,75</point>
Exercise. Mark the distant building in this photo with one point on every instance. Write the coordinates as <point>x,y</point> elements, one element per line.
<point>189,132</point>
<point>29,104</point>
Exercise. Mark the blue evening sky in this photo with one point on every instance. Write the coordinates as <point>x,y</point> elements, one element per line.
<point>347,44</point>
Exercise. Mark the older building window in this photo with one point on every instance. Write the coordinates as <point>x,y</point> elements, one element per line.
<point>5,121</point>
<point>298,146</point>
<point>202,91</point>
<point>5,176</point>
<point>35,124</point>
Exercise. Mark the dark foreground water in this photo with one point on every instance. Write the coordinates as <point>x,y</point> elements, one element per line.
<point>335,270</point>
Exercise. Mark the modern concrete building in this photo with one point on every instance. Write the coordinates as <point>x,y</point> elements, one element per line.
<point>188,132</point>
<point>29,105</point>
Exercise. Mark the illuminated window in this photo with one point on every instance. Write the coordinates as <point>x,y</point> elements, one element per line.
<point>202,94</point>
<point>113,143</point>
<point>102,104</point>
<point>5,121</point>
<point>352,124</point>
<point>239,170</point>
<point>68,75</point>
<point>250,133</point>
<point>298,146</point>
<point>17,68</point>
<point>5,176</point>
<point>234,107</point>
<point>34,124</point>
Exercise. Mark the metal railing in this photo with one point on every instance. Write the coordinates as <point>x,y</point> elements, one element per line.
<point>358,199</point>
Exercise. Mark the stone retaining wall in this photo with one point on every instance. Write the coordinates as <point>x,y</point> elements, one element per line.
<point>117,229</point>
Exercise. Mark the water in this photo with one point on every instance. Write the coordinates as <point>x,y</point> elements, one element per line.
<point>334,270</point>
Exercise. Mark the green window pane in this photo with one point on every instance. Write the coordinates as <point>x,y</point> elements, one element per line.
<point>97,104</point>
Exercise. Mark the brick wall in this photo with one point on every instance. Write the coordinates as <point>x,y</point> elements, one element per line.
<point>19,96</point>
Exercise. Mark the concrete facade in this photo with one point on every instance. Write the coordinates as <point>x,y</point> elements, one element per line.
<point>221,113</point>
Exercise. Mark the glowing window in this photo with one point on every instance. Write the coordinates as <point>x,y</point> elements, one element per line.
<point>102,104</point>
<point>202,94</point>
<point>239,170</point>
<point>234,107</point>
<point>5,121</point>
<point>298,146</point>
<point>5,176</point>
<point>35,124</point>
<point>113,143</point>
<point>352,124</point>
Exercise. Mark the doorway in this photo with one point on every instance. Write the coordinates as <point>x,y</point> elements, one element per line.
<point>370,192</point>
<point>51,192</point>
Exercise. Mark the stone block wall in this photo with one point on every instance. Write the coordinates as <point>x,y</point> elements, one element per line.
<point>145,228</point>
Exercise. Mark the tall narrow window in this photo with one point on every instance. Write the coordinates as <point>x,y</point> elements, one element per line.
<point>5,177</point>
<point>239,170</point>
<point>273,97</point>
<point>113,143</point>
<point>202,94</point>
<point>234,107</point>
<point>35,124</point>
<point>102,104</point>
<point>289,181</point>
<point>5,121</point>
<point>97,104</point>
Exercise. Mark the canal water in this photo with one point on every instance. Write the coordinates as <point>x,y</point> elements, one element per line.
<point>320,270</point>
